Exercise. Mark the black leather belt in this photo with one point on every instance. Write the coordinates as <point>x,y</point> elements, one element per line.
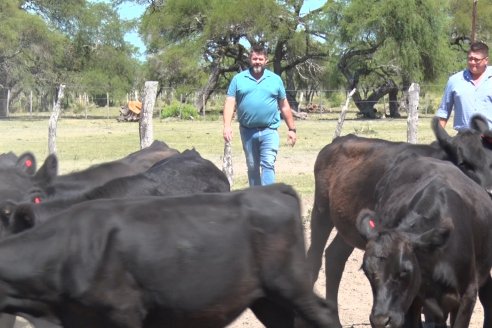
<point>256,128</point>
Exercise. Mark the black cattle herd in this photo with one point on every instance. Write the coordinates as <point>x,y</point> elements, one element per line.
<point>158,239</point>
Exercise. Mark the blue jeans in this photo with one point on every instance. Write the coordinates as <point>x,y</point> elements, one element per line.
<point>260,147</point>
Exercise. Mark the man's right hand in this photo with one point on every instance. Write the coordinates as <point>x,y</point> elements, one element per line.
<point>227,134</point>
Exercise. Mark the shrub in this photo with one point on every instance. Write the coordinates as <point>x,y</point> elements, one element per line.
<point>336,99</point>
<point>179,110</point>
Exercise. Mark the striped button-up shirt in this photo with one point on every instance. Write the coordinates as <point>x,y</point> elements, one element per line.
<point>467,99</point>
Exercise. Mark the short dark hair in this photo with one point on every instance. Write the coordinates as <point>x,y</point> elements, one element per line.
<point>259,49</point>
<point>479,46</point>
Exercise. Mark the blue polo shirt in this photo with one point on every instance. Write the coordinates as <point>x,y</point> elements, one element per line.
<point>467,99</point>
<point>257,100</point>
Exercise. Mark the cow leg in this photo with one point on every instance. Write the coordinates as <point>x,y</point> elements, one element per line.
<point>485,295</point>
<point>465,310</point>
<point>290,288</point>
<point>434,315</point>
<point>272,315</point>
<point>412,317</point>
<point>321,226</point>
<point>336,257</point>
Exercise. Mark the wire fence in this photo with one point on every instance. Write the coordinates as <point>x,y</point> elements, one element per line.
<point>312,101</point>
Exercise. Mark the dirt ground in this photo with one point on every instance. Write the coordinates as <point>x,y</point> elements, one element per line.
<point>355,299</point>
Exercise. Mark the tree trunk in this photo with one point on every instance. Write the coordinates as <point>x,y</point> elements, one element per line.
<point>3,102</point>
<point>290,89</point>
<point>366,106</point>
<point>394,109</point>
<point>204,94</point>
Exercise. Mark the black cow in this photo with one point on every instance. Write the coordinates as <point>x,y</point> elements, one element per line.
<point>21,181</point>
<point>429,243</point>
<point>18,177</point>
<point>346,173</point>
<point>74,183</point>
<point>180,174</point>
<point>185,261</point>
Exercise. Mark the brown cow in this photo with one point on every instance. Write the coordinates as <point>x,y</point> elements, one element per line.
<point>346,173</point>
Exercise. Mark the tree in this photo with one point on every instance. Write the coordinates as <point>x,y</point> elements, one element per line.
<point>75,42</point>
<point>101,59</point>
<point>460,13</point>
<point>29,51</point>
<point>216,35</point>
<point>384,46</point>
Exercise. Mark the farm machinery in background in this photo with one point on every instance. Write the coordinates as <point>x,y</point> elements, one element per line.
<point>130,112</point>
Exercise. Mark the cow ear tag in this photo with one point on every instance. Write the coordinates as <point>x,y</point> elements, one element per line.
<point>486,139</point>
<point>372,225</point>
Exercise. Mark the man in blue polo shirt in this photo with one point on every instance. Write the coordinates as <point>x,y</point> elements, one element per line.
<point>259,96</point>
<point>469,92</point>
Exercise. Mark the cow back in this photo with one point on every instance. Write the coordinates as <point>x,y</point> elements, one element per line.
<point>207,256</point>
<point>81,181</point>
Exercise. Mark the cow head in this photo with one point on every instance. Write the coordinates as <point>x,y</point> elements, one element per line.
<point>470,150</point>
<point>17,177</point>
<point>391,264</point>
<point>21,182</point>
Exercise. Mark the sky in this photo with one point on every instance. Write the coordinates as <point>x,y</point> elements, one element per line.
<point>132,10</point>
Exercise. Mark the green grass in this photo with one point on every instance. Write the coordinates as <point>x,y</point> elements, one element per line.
<point>84,142</point>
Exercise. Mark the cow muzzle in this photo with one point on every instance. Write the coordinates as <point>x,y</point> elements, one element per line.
<point>386,321</point>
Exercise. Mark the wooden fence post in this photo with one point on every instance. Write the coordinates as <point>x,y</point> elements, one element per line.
<point>54,120</point>
<point>8,103</point>
<point>227,167</point>
<point>107,104</point>
<point>413,112</point>
<point>145,123</point>
<point>341,118</point>
<point>30,104</point>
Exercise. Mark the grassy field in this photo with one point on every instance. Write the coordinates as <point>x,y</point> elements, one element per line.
<point>83,142</point>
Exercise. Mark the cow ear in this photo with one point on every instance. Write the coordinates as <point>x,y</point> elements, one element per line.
<point>479,123</point>
<point>435,237</point>
<point>426,208</point>
<point>366,224</point>
<point>27,163</point>
<point>440,133</point>
<point>22,219</point>
<point>48,171</point>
